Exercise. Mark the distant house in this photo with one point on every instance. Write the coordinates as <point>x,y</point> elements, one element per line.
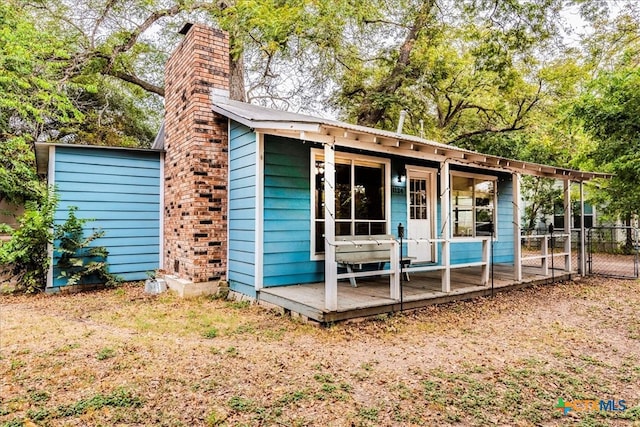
<point>294,210</point>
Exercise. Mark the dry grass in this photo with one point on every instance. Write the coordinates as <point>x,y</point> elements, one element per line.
<point>118,357</point>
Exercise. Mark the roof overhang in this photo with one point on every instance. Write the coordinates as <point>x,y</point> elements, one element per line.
<point>326,131</point>
<point>43,150</point>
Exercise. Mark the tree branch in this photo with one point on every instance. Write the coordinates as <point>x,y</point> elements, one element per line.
<point>484,131</point>
<point>138,82</point>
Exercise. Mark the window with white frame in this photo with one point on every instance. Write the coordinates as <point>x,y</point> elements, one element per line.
<point>362,198</point>
<point>473,201</point>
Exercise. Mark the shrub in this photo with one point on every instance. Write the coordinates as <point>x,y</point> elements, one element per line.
<point>78,259</point>
<point>26,251</point>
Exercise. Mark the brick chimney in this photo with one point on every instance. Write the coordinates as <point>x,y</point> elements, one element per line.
<point>196,158</point>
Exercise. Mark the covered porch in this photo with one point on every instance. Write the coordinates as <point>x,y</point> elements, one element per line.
<point>318,204</point>
<point>371,297</point>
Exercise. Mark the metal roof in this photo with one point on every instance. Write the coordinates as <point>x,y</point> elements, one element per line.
<point>318,129</point>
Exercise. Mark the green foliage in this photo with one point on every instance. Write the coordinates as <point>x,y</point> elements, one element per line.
<point>78,259</point>
<point>241,404</point>
<point>609,111</point>
<point>541,196</point>
<point>114,115</point>
<point>120,398</point>
<point>210,333</point>
<point>18,179</point>
<point>31,67</point>
<point>105,353</point>
<point>26,251</point>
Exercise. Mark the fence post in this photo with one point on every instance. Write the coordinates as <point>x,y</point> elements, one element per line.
<point>544,246</point>
<point>582,260</point>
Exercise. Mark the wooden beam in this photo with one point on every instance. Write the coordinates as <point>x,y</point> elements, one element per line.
<point>406,145</point>
<point>316,137</point>
<point>389,142</point>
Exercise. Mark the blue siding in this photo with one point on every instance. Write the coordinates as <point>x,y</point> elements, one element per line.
<point>120,191</point>
<point>242,209</point>
<point>287,209</point>
<point>398,190</point>
<point>503,247</point>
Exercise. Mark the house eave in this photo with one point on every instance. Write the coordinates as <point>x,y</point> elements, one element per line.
<point>42,152</point>
<point>342,134</point>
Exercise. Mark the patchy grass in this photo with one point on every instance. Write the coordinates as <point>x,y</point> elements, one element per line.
<point>120,357</point>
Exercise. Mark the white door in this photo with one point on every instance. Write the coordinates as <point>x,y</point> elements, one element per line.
<point>420,207</point>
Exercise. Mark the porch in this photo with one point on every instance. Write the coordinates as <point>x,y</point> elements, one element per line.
<point>371,297</point>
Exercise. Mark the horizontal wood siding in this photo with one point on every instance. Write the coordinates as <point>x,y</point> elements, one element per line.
<point>398,200</point>
<point>120,191</point>
<point>242,209</point>
<point>503,248</point>
<point>287,210</point>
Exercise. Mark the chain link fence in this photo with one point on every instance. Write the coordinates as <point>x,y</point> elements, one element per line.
<point>613,251</point>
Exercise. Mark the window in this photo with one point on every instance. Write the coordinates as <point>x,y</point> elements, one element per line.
<point>361,197</point>
<point>472,204</point>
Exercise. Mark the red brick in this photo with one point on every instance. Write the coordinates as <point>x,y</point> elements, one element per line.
<point>199,63</point>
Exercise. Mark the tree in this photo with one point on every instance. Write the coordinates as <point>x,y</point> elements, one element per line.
<point>609,111</point>
<point>30,98</point>
<point>464,69</point>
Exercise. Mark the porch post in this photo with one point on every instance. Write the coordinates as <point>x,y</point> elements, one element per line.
<point>330,266</point>
<point>583,251</point>
<point>445,209</point>
<point>517,245</point>
<point>568,219</point>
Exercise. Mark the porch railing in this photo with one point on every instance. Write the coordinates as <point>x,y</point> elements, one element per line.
<point>444,265</point>
<point>549,246</point>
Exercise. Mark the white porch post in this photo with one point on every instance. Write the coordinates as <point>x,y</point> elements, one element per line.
<point>583,251</point>
<point>487,260</point>
<point>517,245</point>
<point>330,265</point>
<point>394,277</point>
<point>568,219</point>
<point>445,209</point>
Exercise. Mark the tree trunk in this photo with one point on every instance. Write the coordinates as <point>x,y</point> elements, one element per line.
<point>371,113</point>
<point>236,79</point>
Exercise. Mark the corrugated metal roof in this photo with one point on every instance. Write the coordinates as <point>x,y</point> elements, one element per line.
<point>268,119</point>
<point>258,115</point>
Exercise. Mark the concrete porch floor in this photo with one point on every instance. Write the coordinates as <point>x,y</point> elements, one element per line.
<point>371,297</point>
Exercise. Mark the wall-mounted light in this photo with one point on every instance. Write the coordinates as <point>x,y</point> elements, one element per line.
<point>401,177</point>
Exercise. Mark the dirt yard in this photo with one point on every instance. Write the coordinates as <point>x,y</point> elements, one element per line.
<point>119,357</point>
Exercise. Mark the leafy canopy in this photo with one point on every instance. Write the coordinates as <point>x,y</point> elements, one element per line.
<point>609,112</point>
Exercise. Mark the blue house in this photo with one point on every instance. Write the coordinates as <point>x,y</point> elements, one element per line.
<point>321,217</point>
<point>293,209</point>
